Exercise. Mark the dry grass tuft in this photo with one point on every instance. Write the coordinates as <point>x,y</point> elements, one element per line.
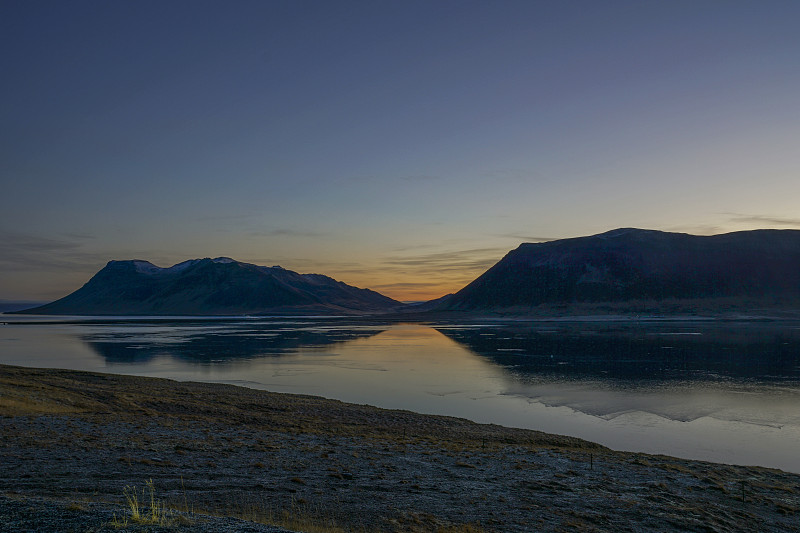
<point>155,514</point>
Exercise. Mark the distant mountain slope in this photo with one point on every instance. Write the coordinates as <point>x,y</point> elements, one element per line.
<point>219,286</point>
<point>7,306</point>
<point>633,264</point>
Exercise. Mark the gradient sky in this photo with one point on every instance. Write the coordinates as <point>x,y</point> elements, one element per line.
<point>403,146</point>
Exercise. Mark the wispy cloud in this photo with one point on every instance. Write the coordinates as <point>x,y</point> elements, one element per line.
<point>310,266</point>
<point>419,178</point>
<point>249,224</point>
<point>406,286</point>
<point>252,225</point>
<point>460,260</point>
<point>23,251</point>
<point>288,232</point>
<point>761,220</point>
<point>225,218</point>
<point>697,229</point>
<point>414,178</point>
<point>764,219</point>
<point>416,247</point>
<point>514,174</point>
<point>525,238</point>
<point>80,236</point>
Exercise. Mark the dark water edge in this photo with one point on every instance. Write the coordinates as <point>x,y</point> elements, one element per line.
<point>606,347</point>
<point>760,352</point>
<point>719,390</point>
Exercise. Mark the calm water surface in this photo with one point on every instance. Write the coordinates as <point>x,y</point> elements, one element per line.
<point>725,392</point>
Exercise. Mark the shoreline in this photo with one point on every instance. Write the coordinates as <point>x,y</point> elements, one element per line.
<point>548,314</point>
<point>223,449</point>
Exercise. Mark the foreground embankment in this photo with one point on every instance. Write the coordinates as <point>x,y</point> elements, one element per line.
<point>74,444</point>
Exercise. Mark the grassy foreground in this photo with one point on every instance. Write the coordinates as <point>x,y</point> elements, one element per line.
<point>311,464</point>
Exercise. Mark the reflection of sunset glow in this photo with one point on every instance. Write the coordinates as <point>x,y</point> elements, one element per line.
<point>414,367</point>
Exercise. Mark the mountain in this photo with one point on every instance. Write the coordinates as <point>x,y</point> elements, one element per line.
<point>218,286</point>
<point>7,306</point>
<point>629,264</point>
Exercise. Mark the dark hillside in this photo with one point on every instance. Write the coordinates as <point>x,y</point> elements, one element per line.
<point>219,286</point>
<point>634,264</point>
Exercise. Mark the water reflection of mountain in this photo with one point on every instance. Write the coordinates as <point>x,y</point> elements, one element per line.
<point>632,352</point>
<point>202,345</point>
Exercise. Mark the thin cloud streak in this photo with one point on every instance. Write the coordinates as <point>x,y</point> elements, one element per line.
<point>443,272</point>
<point>525,238</point>
<point>408,285</point>
<point>226,218</point>
<point>22,251</point>
<point>764,219</point>
<point>419,178</point>
<point>305,266</point>
<point>461,258</point>
<point>33,243</point>
<point>288,232</point>
<point>80,236</point>
<point>698,229</point>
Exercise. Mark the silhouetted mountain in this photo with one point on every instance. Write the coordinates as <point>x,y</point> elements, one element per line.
<point>645,265</point>
<point>219,286</point>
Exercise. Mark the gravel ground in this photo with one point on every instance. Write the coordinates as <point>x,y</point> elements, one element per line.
<point>39,515</point>
<point>71,442</point>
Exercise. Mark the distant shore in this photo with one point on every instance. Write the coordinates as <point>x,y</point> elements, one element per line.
<point>723,309</point>
<point>80,438</point>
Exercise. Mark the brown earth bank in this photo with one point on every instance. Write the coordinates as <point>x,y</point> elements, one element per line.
<point>76,446</point>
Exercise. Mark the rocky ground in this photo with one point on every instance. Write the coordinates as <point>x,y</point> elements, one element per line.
<point>224,458</point>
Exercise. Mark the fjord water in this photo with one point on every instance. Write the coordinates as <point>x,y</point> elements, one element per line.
<point>724,392</point>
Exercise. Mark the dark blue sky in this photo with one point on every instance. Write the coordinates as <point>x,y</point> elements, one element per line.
<point>404,146</point>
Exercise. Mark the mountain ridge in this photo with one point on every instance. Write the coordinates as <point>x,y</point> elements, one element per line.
<point>620,266</point>
<point>628,264</point>
<point>219,286</point>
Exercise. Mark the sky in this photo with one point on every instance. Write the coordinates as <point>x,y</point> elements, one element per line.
<point>404,146</point>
